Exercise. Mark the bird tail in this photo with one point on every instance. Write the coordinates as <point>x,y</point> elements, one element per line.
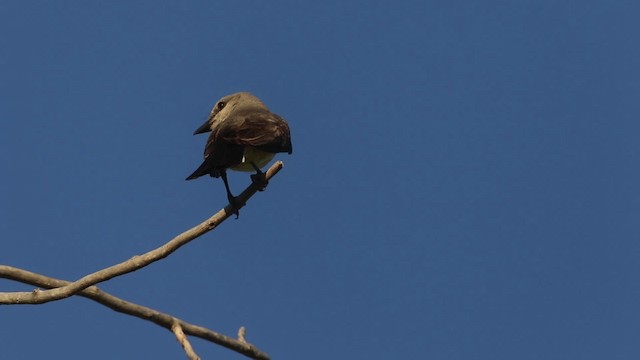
<point>195,175</point>
<point>203,169</point>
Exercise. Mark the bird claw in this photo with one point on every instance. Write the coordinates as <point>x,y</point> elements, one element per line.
<point>235,205</point>
<point>260,179</point>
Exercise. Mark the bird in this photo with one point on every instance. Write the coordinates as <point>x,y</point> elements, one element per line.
<point>245,136</point>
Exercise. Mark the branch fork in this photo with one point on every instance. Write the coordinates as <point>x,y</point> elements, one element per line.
<point>57,289</point>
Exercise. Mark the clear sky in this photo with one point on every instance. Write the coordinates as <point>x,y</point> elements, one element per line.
<point>463,184</point>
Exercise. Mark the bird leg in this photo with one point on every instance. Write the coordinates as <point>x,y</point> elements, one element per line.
<point>259,178</point>
<point>232,199</point>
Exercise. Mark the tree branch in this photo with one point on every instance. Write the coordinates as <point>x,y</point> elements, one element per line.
<point>167,321</point>
<point>184,342</point>
<point>137,262</point>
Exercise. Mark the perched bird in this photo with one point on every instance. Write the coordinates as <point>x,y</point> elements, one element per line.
<point>245,136</point>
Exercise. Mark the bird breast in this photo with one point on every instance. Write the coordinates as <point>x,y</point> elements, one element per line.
<point>253,155</point>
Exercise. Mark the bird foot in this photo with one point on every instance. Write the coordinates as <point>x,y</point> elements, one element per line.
<point>235,205</point>
<point>260,179</point>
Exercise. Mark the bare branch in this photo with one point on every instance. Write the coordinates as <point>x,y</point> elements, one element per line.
<point>165,320</point>
<point>184,342</point>
<point>242,332</point>
<point>137,262</point>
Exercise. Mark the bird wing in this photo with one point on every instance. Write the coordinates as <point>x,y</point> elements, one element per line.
<point>261,129</point>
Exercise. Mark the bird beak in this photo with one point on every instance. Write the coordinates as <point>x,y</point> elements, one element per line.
<point>206,127</point>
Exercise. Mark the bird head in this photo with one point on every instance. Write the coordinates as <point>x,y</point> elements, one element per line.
<point>227,105</point>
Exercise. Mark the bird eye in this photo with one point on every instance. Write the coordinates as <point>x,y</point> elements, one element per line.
<point>221,104</point>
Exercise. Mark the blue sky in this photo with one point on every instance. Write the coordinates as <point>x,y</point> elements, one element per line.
<point>464,181</point>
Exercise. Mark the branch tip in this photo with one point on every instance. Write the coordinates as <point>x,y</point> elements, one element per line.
<point>242,332</point>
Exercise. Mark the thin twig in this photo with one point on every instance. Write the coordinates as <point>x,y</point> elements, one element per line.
<point>142,312</point>
<point>137,262</point>
<point>184,342</point>
<point>242,332</point>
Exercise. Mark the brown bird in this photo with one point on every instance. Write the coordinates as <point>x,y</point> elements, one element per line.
<point>245,136</point>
